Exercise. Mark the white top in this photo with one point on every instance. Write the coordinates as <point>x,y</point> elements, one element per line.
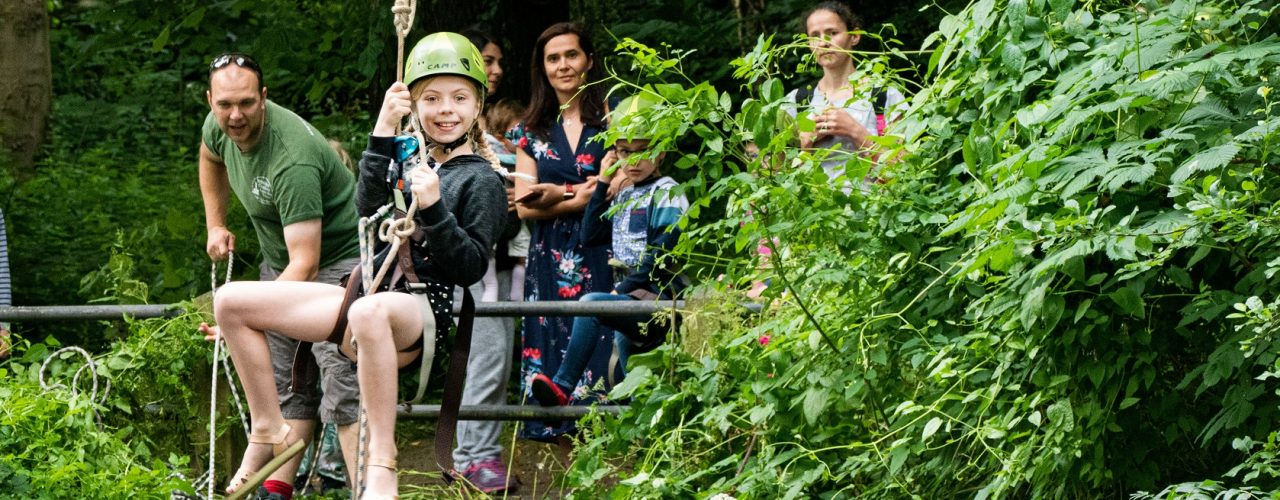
<point>862,110</point>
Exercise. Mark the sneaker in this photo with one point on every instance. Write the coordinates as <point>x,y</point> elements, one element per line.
<point>328,484</point>
<point>489,476</point>
<point>547,392</point>
<point>263,494</point>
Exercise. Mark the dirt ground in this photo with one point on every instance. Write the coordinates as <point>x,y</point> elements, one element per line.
<point>537,466</point>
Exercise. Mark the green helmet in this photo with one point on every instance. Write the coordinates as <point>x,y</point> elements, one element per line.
<point>445,54</point>
<point>627,115</point>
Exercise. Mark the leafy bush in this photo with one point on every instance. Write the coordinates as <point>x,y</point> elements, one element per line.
<point>53,444</point>
<point>139,400</point>
<point>1035,304</point>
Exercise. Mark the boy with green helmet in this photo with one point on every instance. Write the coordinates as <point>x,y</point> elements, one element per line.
<point>628,116</point>
<point>642,231</point>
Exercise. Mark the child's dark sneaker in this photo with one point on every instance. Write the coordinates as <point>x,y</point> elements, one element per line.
<point>548,393</point>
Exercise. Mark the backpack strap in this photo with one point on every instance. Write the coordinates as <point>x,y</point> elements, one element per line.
<point>879,100</point>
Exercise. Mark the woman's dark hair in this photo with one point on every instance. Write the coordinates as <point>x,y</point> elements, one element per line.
<point>851,21</point>
<point>543,104</point>
<point>479,37</point>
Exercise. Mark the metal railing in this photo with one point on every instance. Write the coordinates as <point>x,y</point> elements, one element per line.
<point>485,309</point>
<point>468,412</point>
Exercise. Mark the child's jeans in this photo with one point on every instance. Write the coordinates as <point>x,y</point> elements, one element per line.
<point>588,335</point>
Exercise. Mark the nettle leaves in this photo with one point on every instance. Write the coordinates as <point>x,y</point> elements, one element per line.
<point>1034,297</point>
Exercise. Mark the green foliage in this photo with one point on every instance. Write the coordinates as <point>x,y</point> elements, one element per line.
<point>118,176</point>
<point>1036,303</point>
<point>53,446</point>
<point>719,33</point>
<point>160,382</point>
<point>95,222</point>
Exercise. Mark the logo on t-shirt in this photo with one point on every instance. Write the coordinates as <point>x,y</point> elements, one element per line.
<point>262,191</point>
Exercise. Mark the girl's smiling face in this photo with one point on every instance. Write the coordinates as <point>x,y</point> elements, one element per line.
<point>447,107</point>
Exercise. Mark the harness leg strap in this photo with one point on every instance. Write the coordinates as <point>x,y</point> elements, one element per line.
<point>456,378</point>
<point>352,293</point>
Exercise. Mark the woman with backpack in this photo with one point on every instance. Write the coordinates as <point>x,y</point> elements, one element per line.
<point>845,113</point>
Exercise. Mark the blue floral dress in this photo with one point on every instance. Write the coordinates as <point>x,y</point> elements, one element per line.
<point>560,268</point>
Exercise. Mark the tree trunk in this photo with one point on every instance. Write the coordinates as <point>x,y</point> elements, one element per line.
<point>26,81</point>
<point>749,22</point>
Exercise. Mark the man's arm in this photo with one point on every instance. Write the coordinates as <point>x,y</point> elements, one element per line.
<point>214,188</point>
<point>303,242</point>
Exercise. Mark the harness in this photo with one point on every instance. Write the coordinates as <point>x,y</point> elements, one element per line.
<point>394,225</point>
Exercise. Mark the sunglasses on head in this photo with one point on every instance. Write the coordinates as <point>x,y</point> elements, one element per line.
<point>240,60</point>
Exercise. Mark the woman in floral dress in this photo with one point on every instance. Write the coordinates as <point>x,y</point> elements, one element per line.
<point>557,149</point>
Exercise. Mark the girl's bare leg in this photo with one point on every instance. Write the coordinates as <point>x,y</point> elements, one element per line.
<point>244,310</point>
<point>382,325</point>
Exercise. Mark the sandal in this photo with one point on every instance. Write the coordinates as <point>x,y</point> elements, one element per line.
<point>386,463</point>
<point>246,481</point>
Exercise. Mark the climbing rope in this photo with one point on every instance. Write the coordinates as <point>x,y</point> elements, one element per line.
<point>219,357</point>
<point>403,12</point>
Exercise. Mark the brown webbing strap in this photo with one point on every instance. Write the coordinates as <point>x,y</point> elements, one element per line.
<point>406,264</point>
<point>352,293</point>
<point>454,382</point>
<point>305,369</point>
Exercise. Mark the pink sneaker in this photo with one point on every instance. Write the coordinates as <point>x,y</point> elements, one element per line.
<point>489,476</point>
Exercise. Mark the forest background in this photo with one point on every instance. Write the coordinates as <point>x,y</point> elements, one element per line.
<point>124,81</point>
<point>1065,287</point>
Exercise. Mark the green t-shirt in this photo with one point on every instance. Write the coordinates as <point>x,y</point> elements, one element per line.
<point>291,176</point>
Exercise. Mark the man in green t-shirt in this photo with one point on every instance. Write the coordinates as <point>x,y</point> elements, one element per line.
<point>299,197</point>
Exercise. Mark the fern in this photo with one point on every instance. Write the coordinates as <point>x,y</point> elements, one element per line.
<point>1164,84</point>
<point>1137,174</point>
<point>1210,110</point>
<point>1208,159</point>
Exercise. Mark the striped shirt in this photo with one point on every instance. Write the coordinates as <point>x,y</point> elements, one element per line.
<point>6,295</point>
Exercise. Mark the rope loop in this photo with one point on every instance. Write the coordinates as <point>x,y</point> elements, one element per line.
<point>396,228</point>
<point>403,10</point>
<point>75,378</point>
